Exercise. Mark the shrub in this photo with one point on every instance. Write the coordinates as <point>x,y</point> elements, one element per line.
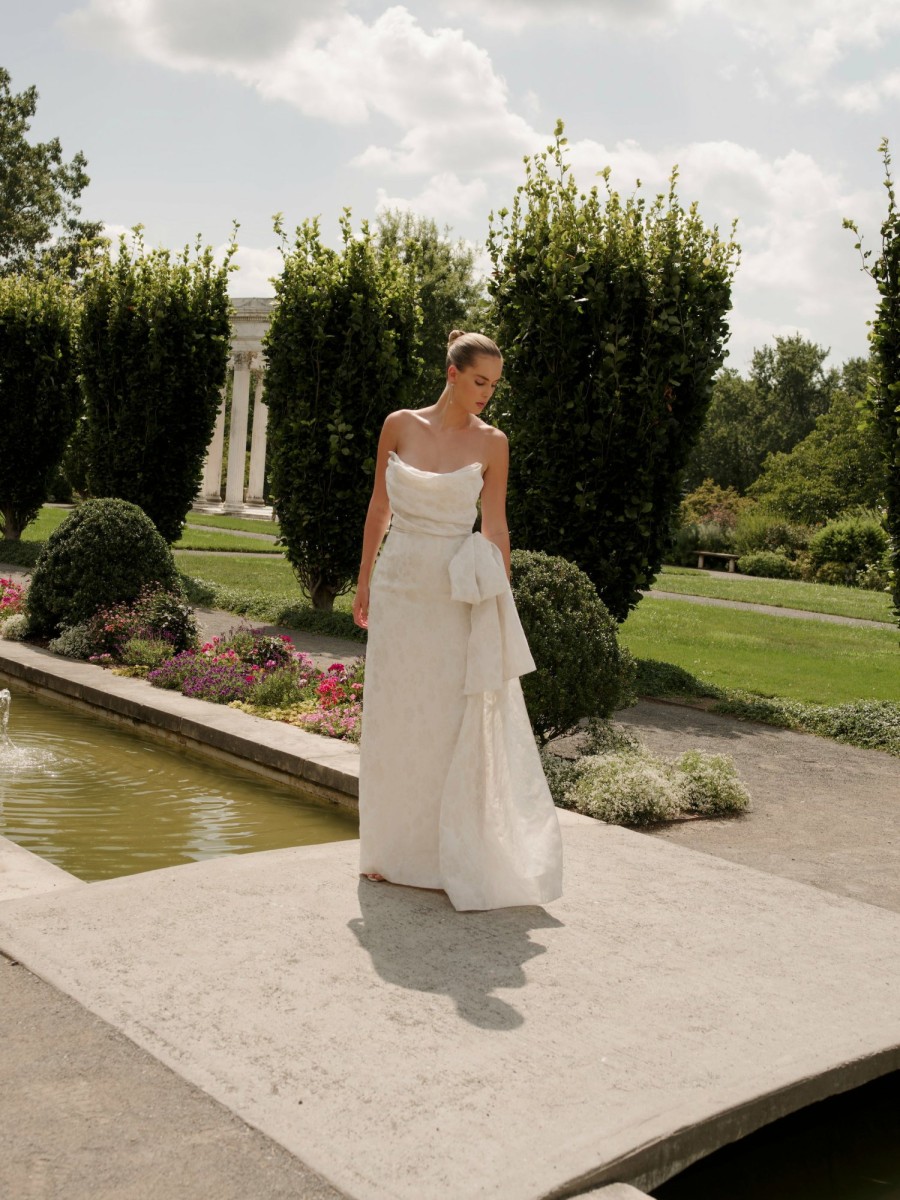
<point>105,552</point>
<point>20,554</point>
<point>770,564</point>
<point>624,789</point>
<point>685,544</point>
<point>14,628</point>
<point>145,652</point>
<point>854,541</point>
<point>709,784</point>
<point>839,574</point>
<point>760,529</point>
<point>581,669</point>
<point>711,503</point>
<point>603,737</point>
<point>560,774</point>
<point>75,641</point>
<point>38,386</point>
<point>154,338</point>
<point>12,599</point>
<point>611,316</point>
<point>156,615</point>
<point>874,578</point>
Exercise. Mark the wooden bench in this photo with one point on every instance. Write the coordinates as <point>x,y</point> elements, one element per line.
<point>731,559</point>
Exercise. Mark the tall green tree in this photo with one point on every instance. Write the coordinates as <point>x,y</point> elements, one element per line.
<point>39,397</point>
<point>769,412</point>
<point>154,338</point>
<point>342,354</point>
<point>447,291</point>
<point>611,316</point>
<point>885,340</point>
<point>40,219</point>
<point>833,468</point>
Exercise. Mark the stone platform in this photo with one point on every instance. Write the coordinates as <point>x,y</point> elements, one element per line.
<point>670,1002</point>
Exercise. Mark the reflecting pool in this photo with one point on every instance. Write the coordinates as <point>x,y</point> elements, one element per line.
<point>101,801</point>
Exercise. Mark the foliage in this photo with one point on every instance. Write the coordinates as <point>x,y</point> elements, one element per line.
<point>40,221</point>
<point>154,340</point>
<point>581,669</point>
<point>769,412</point>
<point>611,317</point>
<point>772,564</point>
<point>156,615</point>
<point>837,464</point>
<point>854,541</point>
<point>14,628</point>
<point>689,539</point>
<point>75,641</point>
<point>146,652</point>
<point>760,529</point>
<point>342,355</point>
<point>12,599</point>
<point>103,553</point>
<point>445,287</point>
<point>709,502</point>
<point>709,784</point>
<point>885,337</point>
<point>266,676</point>
<point>624,789</point>
<point>20,554</point>
<point>38,391</point>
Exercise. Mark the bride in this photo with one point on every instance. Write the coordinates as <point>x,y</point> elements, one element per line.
<point>451,790</point>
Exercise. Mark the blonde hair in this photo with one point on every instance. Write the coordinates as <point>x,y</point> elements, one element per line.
<point>464,348</point>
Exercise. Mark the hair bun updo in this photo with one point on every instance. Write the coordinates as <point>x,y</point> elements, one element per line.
<point>463,348</point>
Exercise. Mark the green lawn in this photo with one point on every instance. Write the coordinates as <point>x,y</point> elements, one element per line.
<point>811,660</point>
<point>199,539</point>
<point>272,575</point>
<point>44,523</point>
<point>246,524</point>
<point>783,593</point>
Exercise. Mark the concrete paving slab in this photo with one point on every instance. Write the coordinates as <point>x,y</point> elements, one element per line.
<point>668,1003</point>
<point>25,874</point>
<point>85,1114</point>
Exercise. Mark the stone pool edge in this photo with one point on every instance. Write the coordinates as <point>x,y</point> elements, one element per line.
<point>325,768</point>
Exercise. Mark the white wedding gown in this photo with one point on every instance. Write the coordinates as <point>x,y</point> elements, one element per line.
<point>451,790</point>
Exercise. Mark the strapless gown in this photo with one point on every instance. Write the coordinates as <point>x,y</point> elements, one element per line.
<point>451,790</point>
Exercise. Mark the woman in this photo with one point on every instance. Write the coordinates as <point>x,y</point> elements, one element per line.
<point>451,790</point>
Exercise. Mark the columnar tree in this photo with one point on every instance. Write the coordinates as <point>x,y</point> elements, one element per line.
<point>611,316</point>
<point>154,344</point>
<point>341,349</point>
<point>885,338</point>
<point>39,398</point>
<point>447,291</point>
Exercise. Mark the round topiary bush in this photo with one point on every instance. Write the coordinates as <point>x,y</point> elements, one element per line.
<point>104,553</point>
<point>581,669</point>
<point>767,563</point>
<point>854,541</point>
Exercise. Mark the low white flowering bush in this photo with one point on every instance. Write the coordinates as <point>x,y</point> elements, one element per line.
<point>14,628</point>
<point>709,784</point>
<point>619,781</point>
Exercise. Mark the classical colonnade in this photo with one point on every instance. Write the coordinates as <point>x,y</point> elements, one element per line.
<point>246,366</point>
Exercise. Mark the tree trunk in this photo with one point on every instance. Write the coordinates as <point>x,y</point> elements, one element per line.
<point>322,595</point>
<point>12,530</point>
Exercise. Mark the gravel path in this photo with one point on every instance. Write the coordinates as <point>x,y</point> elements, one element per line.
<point>823,813</point>
<point>770,610</point>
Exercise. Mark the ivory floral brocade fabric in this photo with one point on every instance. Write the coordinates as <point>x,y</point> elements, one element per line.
<point>451,790</point>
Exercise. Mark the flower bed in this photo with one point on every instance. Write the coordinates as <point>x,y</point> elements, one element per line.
<point>12,599</point>
<point>267,677</point>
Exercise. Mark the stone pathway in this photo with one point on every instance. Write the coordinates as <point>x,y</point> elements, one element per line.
<point>245,533</point>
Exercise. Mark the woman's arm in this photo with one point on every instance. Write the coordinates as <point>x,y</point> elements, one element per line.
<point>493,496</point>
<point>378,518</point>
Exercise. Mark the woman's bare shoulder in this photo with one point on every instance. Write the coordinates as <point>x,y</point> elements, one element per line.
<point>495,442</point>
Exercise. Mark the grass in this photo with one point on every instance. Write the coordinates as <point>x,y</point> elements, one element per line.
<point>812,661</point>
<point>200,539</point>
<point>248,525</point>
<point>781,593</point>
<point>271,578</point>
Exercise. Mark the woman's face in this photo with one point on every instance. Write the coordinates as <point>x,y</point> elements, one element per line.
<point>474,386</point>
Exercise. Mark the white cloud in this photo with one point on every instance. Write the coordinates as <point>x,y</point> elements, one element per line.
<point>868,96</point>
<point>256,268</point>
<point>445,199</point>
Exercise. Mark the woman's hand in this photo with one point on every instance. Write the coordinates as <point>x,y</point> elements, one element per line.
<point>361,606</point>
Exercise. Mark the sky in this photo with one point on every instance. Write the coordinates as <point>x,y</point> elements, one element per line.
<point>194,114</point>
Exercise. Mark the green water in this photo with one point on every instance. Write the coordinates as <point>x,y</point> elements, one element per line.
<point>844,1148</point>
<point>100,801</point>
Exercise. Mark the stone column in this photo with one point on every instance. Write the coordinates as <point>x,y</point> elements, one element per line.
<point>258,444</point>
<point>237,437</point>
<point>211,488</point>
